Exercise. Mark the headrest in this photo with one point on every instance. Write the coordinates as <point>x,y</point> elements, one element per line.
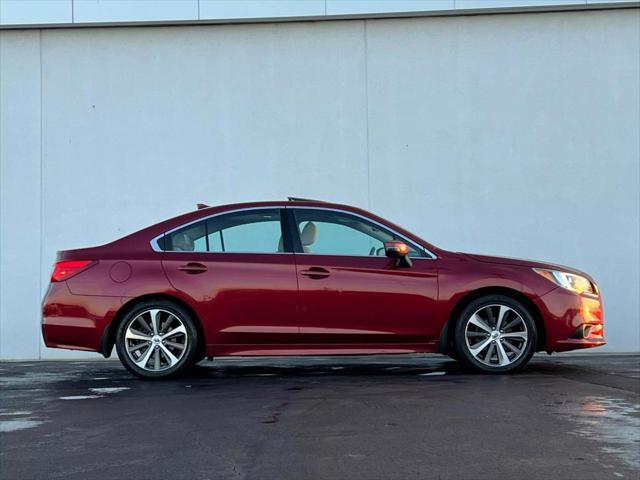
<point>182,243</point>
<point>308,235</point>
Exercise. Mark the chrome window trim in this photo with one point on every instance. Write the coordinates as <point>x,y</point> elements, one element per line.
<point>156,248</point>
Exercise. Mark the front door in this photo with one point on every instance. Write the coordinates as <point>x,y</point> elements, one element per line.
<point>351,295</point>
<point>240,272</point>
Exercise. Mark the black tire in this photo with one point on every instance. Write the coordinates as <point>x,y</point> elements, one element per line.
<point>186,359</point>
<point>489,307</point>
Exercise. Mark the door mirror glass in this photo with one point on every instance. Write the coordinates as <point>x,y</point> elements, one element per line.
<point>398,250</point>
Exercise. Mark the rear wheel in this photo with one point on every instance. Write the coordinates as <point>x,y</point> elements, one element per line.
<point>157,339</point>
<point>495,334</point>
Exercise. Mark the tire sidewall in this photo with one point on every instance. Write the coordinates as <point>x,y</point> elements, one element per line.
<point>460,340</point>
<point>185,362</point>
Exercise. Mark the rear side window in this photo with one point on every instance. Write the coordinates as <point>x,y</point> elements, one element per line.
<point>249,231</point>
<point>192,238</point>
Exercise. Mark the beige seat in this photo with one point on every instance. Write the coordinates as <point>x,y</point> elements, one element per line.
<point>307,237</point>
<point>182,242</point>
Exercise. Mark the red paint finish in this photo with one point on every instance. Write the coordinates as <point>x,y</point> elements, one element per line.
<point>364,300</point>
<point>75,321</point>
<point>246,298</point>
<point>291,303</point>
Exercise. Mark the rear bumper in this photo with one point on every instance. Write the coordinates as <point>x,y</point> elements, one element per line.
<point>75,322</point>
<point>576,344</point>
<point>572,321</point>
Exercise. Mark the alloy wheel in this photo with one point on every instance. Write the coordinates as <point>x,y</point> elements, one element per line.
<point>156,339</point>
<point>496,335</point>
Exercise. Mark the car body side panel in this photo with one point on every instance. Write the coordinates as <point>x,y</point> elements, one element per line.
<point>459,276</point>
<point>241,298</point>
<point>367,300</point>
<point>564,312</point>
<point>124,277</point>
<point>76,322</point>
<point>319,349</point>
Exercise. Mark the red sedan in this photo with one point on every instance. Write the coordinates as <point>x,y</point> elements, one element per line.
<point>308,278</point>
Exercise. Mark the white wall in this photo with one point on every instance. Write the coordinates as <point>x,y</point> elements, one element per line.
<point>20,200</point>
<point>25,13</point>
<point>514,134</point>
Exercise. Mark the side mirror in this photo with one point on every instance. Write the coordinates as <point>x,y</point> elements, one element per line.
<point>398,250</point>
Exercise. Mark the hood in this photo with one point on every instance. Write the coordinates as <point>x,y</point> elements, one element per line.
<point>523,263</point>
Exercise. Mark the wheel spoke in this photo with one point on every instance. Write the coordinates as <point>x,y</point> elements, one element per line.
<point>489,354</point>
<point>512,347</point>
<point>478,322</point>
<point>175,331</point>
<point>174,344</point>
<point>491,318</point>
<point>476,350</point>
<point>503,358</point>
<point>170,356</point>
<point>132,334</point>
<point>138,347</point>
<point>476,334</point>
<point>154,320</point>
<point>142,361</point>
<point>156,359</point>
<point>512,323</point>
<point>519,335</point>
<point>501,315</point>
<point>140,321</point>
<point>166,324</point>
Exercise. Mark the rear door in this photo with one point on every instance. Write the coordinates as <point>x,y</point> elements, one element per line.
<point>240,270</point>
<point>351,294</point>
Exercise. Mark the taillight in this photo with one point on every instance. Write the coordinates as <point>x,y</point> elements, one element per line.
<point>68,268</point>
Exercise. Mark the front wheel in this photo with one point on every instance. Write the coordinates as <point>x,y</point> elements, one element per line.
<point>495,334</point>
<point>157,339</point>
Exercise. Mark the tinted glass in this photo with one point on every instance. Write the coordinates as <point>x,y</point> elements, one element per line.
<point>192,238</point>
<point>335,233</point>
<point>252,231</point>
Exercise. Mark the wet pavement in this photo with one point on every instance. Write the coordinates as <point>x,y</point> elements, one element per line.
<point>398,417</point>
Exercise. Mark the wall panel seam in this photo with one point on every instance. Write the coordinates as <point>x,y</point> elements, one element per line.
<point>41,195</point>
<point>366,103</point>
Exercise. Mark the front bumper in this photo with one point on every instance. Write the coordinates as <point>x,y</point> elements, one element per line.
<point>75,322</point>
<point>572,321</point>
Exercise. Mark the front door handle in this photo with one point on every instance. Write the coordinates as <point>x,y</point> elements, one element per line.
<point>193,268</point>
<point>316,273</point>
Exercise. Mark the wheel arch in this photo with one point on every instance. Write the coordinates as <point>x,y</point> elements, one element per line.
<point>446,342</point>
<point>109,334</point>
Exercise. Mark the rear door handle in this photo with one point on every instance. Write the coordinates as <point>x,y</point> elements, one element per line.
<point>316,273</point>
<point>193,268</point>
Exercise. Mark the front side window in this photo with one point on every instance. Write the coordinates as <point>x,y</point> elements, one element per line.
<point>328,232</point>
<point>248,231</point>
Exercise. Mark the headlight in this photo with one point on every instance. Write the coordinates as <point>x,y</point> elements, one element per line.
<point>570,281</point>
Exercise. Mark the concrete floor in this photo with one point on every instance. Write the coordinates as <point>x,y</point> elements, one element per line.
<point>402,417</point>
